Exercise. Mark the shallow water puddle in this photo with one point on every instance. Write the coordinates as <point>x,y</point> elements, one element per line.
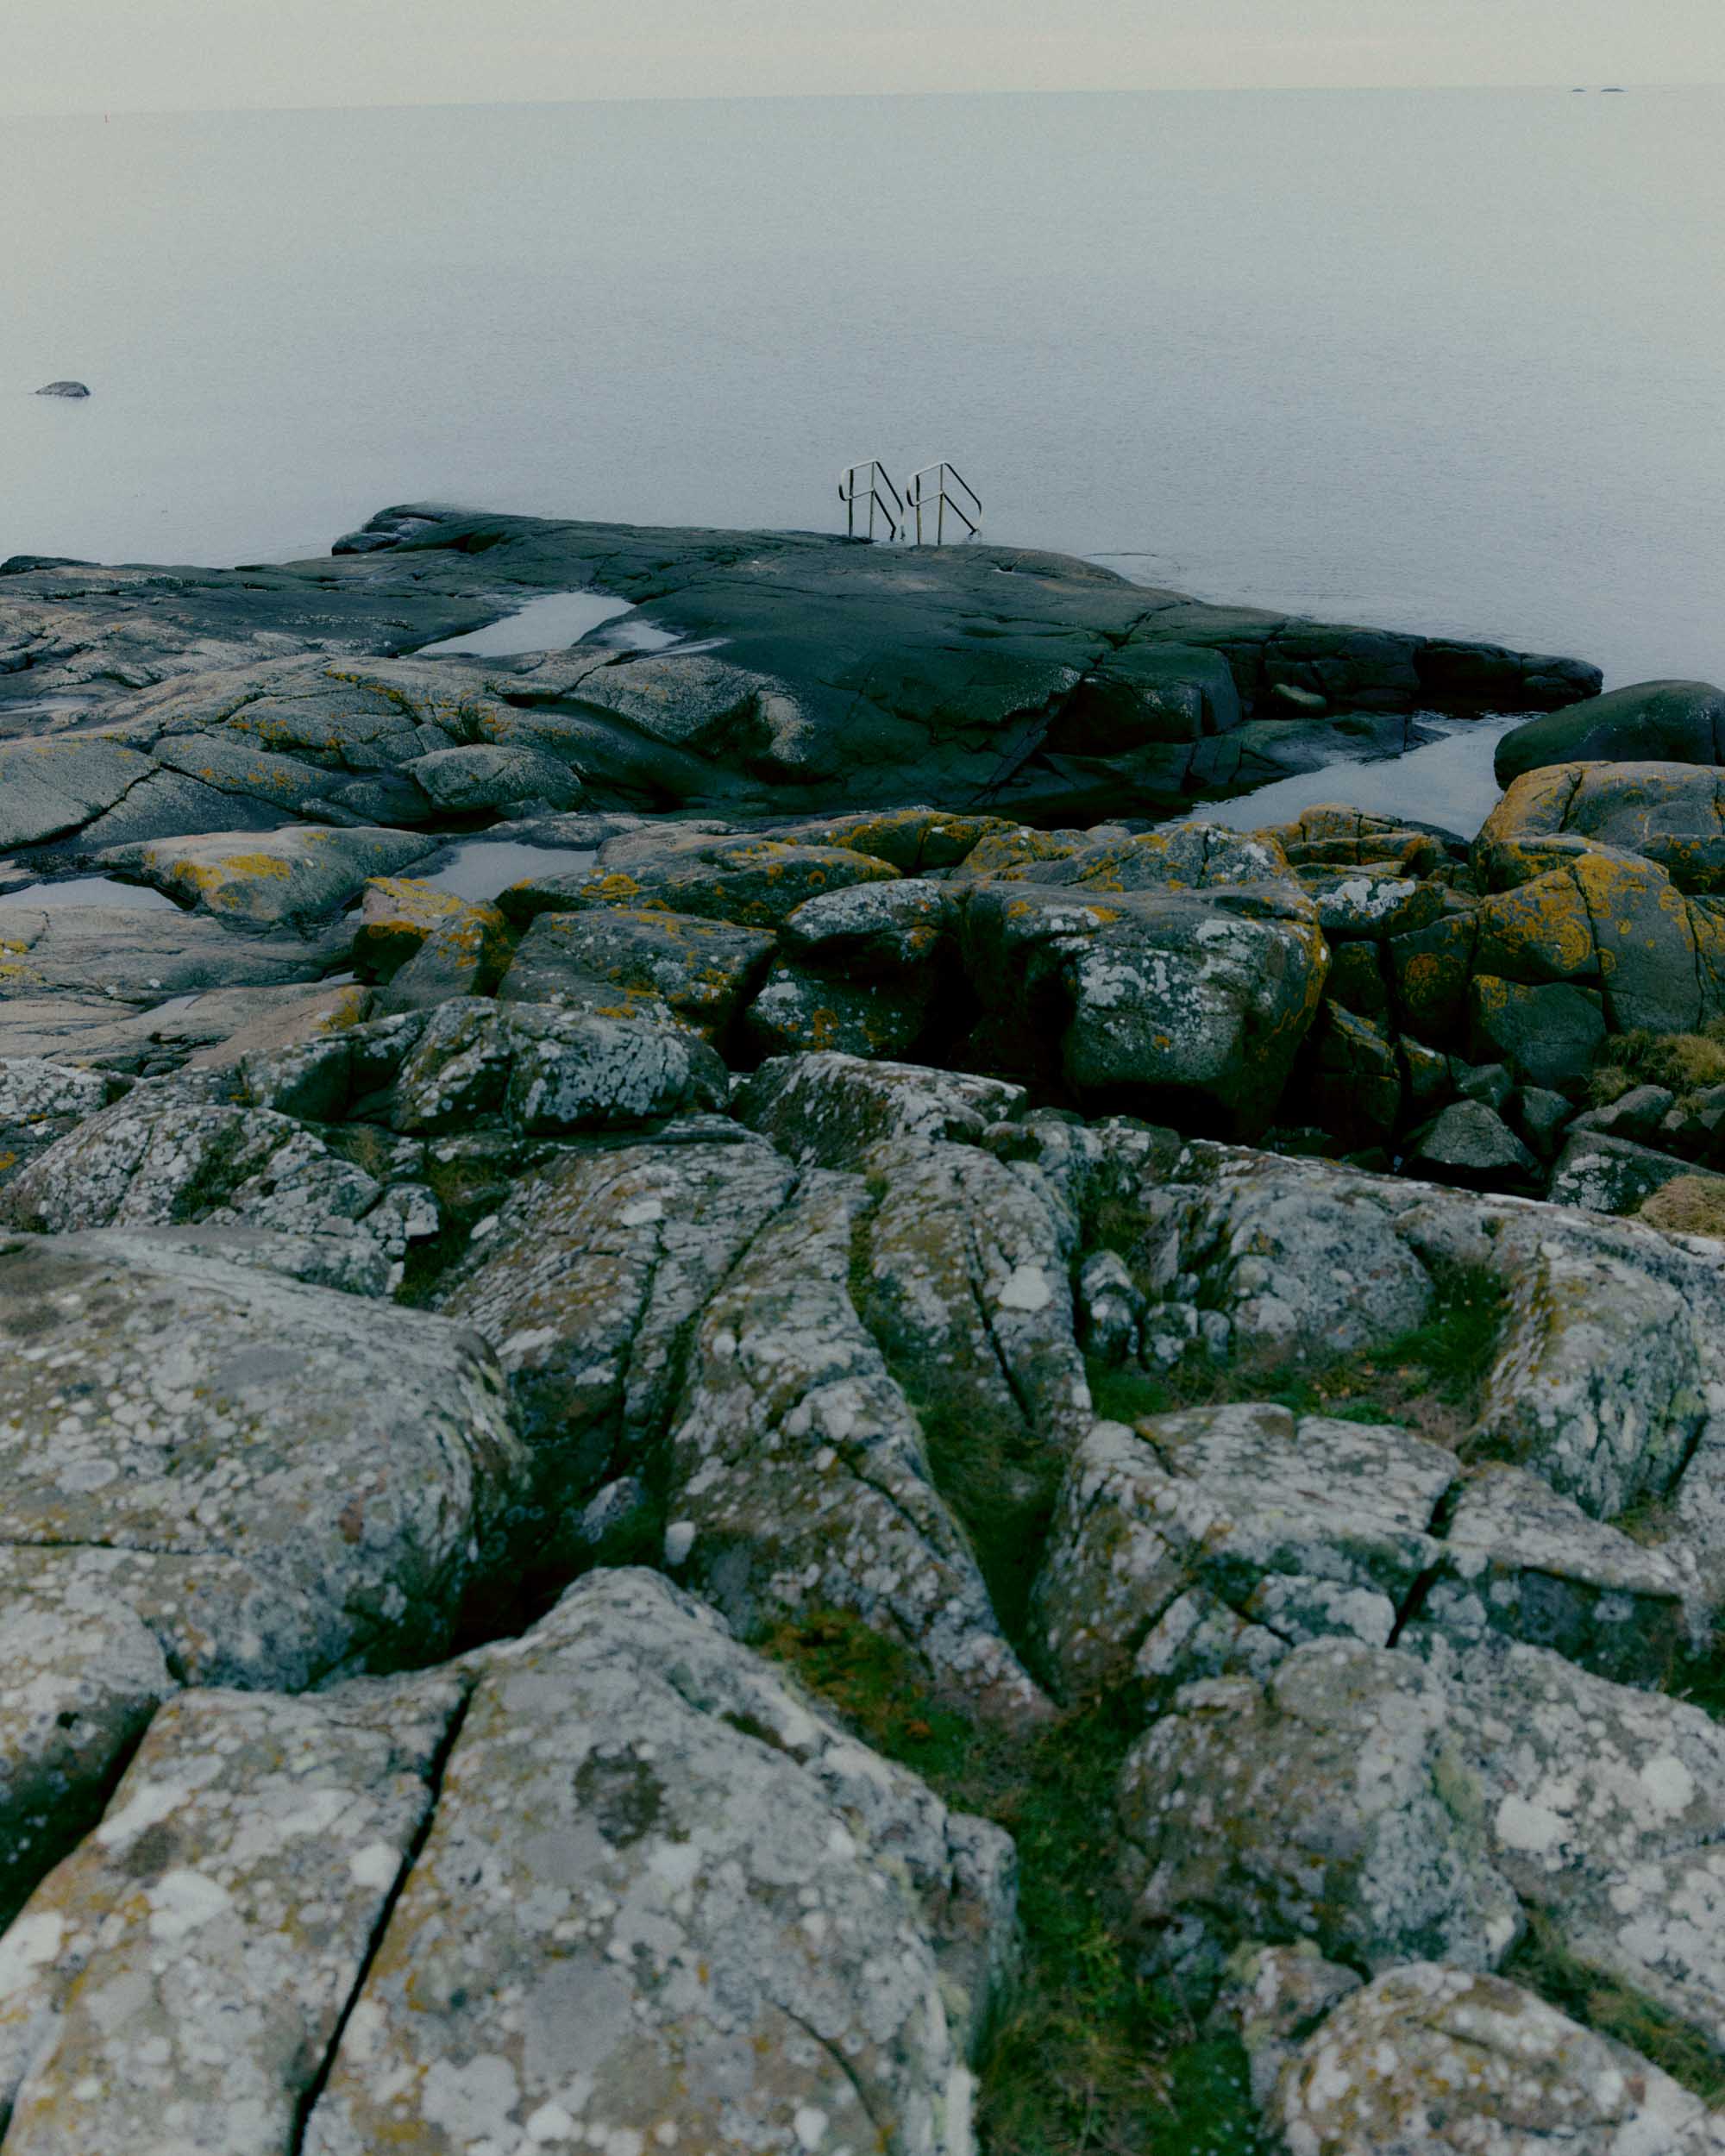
<point>134,898</point>
<point>552,623</point>
<point>481,868</point>
<point>1448,783</point>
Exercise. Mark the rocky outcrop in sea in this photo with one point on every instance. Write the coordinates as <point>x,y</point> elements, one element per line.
<point>748,1407</point>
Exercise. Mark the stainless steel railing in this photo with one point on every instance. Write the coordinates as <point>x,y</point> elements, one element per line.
<point>933,488</point>
<point>864,482</point>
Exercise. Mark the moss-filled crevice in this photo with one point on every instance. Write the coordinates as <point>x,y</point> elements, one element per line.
<point>1085,2056</point>
<point>1431,1380</point>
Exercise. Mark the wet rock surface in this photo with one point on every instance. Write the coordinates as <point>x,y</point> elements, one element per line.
<point>819,1461</point>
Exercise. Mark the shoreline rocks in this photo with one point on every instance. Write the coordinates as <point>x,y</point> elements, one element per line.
<point>467,1354</point>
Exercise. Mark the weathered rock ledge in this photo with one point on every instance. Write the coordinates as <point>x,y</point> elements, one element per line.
<point>806,674</point>
<point>838,1476</point>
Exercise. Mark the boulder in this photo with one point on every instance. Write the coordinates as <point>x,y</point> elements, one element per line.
<point>548,1070</point>
<point>831,1111</point>
<point>1192,1001</point>
<point>872,930</point>
<point>1335,835</point>
<point>1358,980</point>
<point>358,1462</point>
<point>702,969</point>
<point>756,882</point>
<point>1613,1174</point>
<point>1209,1543</point>
<point>464,780</point>
<point>799,1010</point>
<point>1540,1117</point>
<point>63,389</point>
<point>1673,722</point>
<point>1547,1037</point>
<point>1669,813</point>
<point>1433,2061</point>
<point>1326,1803</point>
<point>1471,1145</point>
<point>916,842</point>
<point>1430,968</point>
<point>662,1904</point>
<point>1362,905</point>
<point>400,916</point>
<point>267,879</point>
<point>1638,1114</point>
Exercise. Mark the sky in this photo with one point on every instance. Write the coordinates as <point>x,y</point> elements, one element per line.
<point>156,55</point>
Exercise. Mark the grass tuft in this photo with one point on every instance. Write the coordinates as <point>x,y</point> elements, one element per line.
<point>1683,1061</point>
<point>1085,2058</point>
<point>1431,1380</point>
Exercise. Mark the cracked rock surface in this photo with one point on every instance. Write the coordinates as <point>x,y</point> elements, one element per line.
<point>506,1374</point>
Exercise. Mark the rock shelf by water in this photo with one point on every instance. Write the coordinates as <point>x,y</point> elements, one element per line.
<point>699,1456</point>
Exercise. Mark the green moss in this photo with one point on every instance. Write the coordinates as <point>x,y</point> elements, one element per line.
<point>1543,1963</point>
<point>1085,2056</point>
<point>1001,1480</point>
<point>1430,1380</point>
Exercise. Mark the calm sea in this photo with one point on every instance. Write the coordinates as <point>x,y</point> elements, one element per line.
<point>1452,360</point>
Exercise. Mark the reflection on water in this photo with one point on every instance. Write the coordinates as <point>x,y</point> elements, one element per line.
<point>481,868</point>
<point>550,623</point>
<point>1448,783</point>
<point>136,898</point>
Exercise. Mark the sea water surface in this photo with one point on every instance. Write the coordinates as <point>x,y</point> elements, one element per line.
<point>1449,360</point>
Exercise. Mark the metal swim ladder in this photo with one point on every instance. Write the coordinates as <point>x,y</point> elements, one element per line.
<point>935,488</point>
<point>940,498</point>
<point>867,488</point>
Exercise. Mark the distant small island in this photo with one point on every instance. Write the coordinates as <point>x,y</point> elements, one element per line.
<point>64,389</point>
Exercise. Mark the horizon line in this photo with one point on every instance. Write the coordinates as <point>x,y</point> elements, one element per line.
<point>848,97</point>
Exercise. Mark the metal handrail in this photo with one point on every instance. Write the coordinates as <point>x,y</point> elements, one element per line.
<point>942,500</point>
<point>849,492</point>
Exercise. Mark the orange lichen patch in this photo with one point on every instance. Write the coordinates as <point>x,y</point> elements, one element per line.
<point>1002,852</point>
<point>614,889</point>
<point>401,916</point>
<point>1634,907</point>
<point>1541,931</point>
<point>209,876</point>
<point>1536,804</point>
<point>915,840</point>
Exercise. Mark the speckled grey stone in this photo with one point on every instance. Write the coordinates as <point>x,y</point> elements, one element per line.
<point>587,1283</point>
<point>1212,1542</point>
<point>664,1905</point>
<point>1329,1804</point>
<point>175,1983</point>
<point>830,1110</point>
<point>798,1469</point>
<point>155,1401</point>
<point>1430,2061</point>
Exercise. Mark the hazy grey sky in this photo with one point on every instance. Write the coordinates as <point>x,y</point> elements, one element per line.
<point>119,55</point>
